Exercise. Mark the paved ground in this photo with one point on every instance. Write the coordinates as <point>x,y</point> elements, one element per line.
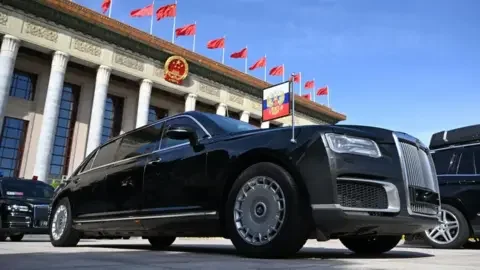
<point>36,253</point>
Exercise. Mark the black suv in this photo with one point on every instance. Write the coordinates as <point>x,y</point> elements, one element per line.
<point>456,154</point>
<point>23,207</point>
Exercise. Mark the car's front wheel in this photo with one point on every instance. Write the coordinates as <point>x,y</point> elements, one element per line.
<point>265,216</point>
<point>372,245</point>
<point>161,242</point>
<point>452,232</point>
<point>16,237</point>
<point>62,234</point>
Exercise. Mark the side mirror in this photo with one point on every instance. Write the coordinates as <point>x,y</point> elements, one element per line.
<point>183,133</point>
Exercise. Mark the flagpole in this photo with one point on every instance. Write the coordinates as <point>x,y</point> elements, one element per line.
<point>292,95</point>
<point>174,23</point>
<point>246,57</point>
<point>265,75</point>
<point>194,36</point>
<point>223,50</point>
<point>283,72</point>
<point>313,90</point>
<point>151,20</point>
<point>328,96</point>
<point>110,9</point>
<point>300,90</point>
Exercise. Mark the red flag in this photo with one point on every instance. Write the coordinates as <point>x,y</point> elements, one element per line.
<point>276,71</point>
<point>216,43</point>
<point>260,63</point>
<point>240,54</point>
<point>142,12</point>
<point>106,5</point>
<point>167,11</point>
<point>296,77</point>
<point>306,96</point>
<point>322,91</point>
<point>187,30</point>
<point>309,84</point>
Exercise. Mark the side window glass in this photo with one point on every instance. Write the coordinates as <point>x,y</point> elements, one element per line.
<point>476,158</point>
<point>140,142</point>
<point>88,165</point>
<point>180,122</point>
<point>465,165</point>
<point>106,154</point>
<point>444,161</point>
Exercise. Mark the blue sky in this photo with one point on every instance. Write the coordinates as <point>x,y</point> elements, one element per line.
<point>408,65</point>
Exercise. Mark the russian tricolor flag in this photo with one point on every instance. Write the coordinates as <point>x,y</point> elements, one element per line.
<point>276,101</point>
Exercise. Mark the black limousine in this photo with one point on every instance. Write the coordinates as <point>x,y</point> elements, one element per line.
<point>24,205</point>
<point>201,175</point>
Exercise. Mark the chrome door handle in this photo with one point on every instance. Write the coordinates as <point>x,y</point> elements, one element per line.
<point>154,162</point>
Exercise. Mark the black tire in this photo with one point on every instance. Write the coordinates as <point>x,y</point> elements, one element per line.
<point>373,245</point>
<point>70,237</point>
<point>463,231</point>
<point>291,235</point>
<point>161,242</point>
<point>16,237</point>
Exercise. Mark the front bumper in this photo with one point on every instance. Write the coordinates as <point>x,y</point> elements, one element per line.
<point>333,222</point>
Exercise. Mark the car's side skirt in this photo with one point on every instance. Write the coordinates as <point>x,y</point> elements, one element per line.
<point>157,216</point>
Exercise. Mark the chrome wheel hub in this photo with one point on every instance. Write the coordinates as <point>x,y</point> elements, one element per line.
<point>259,210</point>
<point>447,231</point>
<point>59,222</point>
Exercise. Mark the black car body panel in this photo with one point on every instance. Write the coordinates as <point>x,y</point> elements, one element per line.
<point>457,160</point>
<point>24,206</point>
<point>184,186</point>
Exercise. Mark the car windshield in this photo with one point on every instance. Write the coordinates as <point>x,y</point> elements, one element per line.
<point>26,189</point>
<point>230,124</point>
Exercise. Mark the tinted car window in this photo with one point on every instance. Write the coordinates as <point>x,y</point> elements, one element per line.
<point>106,154</point>
<point>88,165</point>
<point>180,122</point>
<point>465,165</point>
<point>444,161</point>
<point>476,157</point>
<point>140,142</point>
<point>26,189</point>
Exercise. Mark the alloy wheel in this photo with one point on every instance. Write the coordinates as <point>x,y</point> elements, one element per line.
<point>447,231</point>
<point>259,210</point>
<point>59,222</point>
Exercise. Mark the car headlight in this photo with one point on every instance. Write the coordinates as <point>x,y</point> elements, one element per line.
<point>353,145</point>
<point>19,208</point>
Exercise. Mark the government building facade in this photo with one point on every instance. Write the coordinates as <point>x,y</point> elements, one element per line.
<point>71,79</point>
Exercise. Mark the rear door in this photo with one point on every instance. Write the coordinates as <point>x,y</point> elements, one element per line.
<point>125,176</point>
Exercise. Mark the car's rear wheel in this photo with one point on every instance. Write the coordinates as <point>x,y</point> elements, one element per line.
<point>265,216</point>
<point>372,245</point>
<point>16,237</point>
<point>161,242</point>
<point>452,232</point>
<point>62,234</point>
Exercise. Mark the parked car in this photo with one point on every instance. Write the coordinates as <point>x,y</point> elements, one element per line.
<point>23,207</point>
<point>456,154</point>
<point>203,175</point>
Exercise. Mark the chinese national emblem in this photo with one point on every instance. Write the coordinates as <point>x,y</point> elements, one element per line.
<point>275,102</point>
<point>176,69</point>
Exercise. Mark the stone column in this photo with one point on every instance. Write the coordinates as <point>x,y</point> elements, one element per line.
<point>8,55</point>
<point>190,101</point>
<point>98,108</point>
<point>265,124</point>
<point>222,109</point>
<point>245,116</point>
<point>50,115</point>
<point>143,102</point>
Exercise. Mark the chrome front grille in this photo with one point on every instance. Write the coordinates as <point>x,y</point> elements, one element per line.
<point>40,212</point>
<point>418,171</point>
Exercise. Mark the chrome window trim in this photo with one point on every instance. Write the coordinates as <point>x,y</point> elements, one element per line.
<point>404,173</point>
<point>455,147</point>
<point>178,215</point>
<point>393,197</point>
<point>143,155</point>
